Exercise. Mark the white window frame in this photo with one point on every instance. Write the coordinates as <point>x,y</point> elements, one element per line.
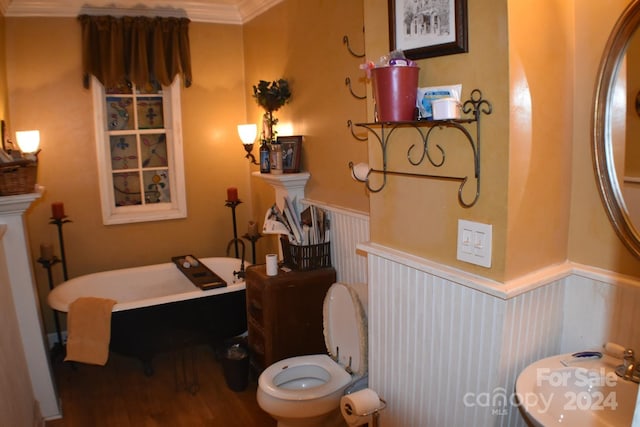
<point>177,208</point>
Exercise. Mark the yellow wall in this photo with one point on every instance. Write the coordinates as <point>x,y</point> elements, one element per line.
<point>632,149</point>
<point>538,188</point>
<point>420,216</point>
<point>540,136</point>
<point>592,240</point>
<point>17,406</point>
<point>302,42</point>
<point>4,99</point>
<point>46,93</point>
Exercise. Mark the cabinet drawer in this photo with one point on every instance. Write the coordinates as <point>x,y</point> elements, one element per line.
<point>254,287</point>
<point>254,309</point>
<point>256,343</point>
<point>284,313</point>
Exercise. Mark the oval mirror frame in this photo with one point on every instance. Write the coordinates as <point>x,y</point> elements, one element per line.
<point>602,147</point>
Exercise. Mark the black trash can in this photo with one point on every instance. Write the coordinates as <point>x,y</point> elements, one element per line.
<point>235,364</point>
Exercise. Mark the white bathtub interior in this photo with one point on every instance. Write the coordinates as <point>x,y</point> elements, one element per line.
<point>145,286</point>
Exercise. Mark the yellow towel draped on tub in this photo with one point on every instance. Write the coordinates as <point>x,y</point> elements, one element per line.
<point>89,330</point>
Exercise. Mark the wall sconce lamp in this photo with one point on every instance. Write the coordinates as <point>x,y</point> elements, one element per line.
<point>248,135</point>
<point>29,143</point>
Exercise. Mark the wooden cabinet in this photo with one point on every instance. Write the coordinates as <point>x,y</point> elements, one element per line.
<point>284,313</point>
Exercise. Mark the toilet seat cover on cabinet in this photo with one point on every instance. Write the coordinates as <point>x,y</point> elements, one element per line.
<point>345,328</point>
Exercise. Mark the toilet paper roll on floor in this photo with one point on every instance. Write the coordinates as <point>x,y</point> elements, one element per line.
<point>354,406</point>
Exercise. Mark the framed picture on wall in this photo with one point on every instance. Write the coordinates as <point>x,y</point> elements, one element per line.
<point>291,153</point>
<point>428,28</point>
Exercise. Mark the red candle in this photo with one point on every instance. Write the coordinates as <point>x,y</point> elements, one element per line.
<point>232,194</point>
<point>57,210</point>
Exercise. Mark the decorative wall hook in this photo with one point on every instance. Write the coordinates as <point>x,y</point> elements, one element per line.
<point>359,138</point>
<point>345,40</point>
<point>347,82</point>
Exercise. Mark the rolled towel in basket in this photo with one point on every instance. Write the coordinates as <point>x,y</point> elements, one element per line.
<point>89,329</point>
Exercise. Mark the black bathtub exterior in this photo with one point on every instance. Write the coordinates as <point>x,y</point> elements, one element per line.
<point>145,332</point>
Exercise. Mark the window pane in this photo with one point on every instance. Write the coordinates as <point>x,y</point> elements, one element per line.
<point>156,186</point>
<point>140,161</point>
<point>124,153</point>
<point>150,113</point>
<point>119,113</point>
<point>126,189</point>
<point>153,150</point>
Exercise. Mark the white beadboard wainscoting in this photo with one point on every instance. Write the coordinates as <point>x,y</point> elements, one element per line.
<point>446,347</point>
<point>348,229</point>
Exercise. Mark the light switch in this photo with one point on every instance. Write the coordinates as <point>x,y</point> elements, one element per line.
<point>467,241</point>
<point>474,242</point>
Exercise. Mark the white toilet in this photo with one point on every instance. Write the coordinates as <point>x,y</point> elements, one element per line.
<point>306,390</point>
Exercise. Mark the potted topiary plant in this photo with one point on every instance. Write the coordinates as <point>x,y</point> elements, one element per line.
<point>271,96</point>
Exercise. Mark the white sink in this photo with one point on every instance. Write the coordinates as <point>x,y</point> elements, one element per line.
<point>586,393</point>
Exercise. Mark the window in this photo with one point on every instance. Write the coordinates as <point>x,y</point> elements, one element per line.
<point>139,146</point>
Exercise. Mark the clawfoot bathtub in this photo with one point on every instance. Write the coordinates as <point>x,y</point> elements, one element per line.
<point>158,307</point>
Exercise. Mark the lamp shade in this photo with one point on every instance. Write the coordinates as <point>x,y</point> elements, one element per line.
<point>248,133</point>
<point>28,140</point>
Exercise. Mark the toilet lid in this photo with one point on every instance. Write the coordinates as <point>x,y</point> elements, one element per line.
<point>345,327</point>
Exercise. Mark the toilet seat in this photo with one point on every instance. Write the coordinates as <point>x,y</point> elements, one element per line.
<point>318,366</point>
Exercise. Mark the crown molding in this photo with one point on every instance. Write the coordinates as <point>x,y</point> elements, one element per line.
<point>212,11</point>
<point>249,9</point>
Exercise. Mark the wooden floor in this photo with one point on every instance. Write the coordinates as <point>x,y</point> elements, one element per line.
<point>120,395</point>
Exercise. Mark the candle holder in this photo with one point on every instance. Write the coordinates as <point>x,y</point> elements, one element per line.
<point>253,238</point>
<point>232,204</point>
<point>58,347</point>
<point>59,222</point>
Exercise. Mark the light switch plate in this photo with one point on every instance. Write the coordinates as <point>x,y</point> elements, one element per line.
<point>474,242</point>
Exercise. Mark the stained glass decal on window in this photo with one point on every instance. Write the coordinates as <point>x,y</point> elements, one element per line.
<point>137,144</point>
<point>153,150</point>
<point>119,113</point>
<point>150,113</point>
<point>124,152</point>
<point>126,188</point>
<point>140,158</point>
<point>156,186</point>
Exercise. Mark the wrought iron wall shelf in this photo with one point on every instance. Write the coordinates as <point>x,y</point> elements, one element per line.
<point>475,106</point>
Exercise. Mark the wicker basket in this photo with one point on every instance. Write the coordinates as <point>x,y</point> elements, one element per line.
<point>18,177</point>
<point>308,257</point>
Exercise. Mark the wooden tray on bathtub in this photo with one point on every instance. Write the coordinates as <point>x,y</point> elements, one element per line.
<point>200,275</point>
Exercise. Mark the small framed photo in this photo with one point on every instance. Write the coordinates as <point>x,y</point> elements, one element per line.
<point>425,29</point>
<point>291,153</point>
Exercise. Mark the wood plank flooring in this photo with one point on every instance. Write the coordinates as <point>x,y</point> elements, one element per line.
<point>120,395</point>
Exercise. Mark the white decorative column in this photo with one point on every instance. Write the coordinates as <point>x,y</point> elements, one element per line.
<point>286,184</point>
<point>25,298</point>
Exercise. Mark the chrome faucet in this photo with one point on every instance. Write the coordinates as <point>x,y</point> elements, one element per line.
<point>239,274</point>
<point>630,368</point>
